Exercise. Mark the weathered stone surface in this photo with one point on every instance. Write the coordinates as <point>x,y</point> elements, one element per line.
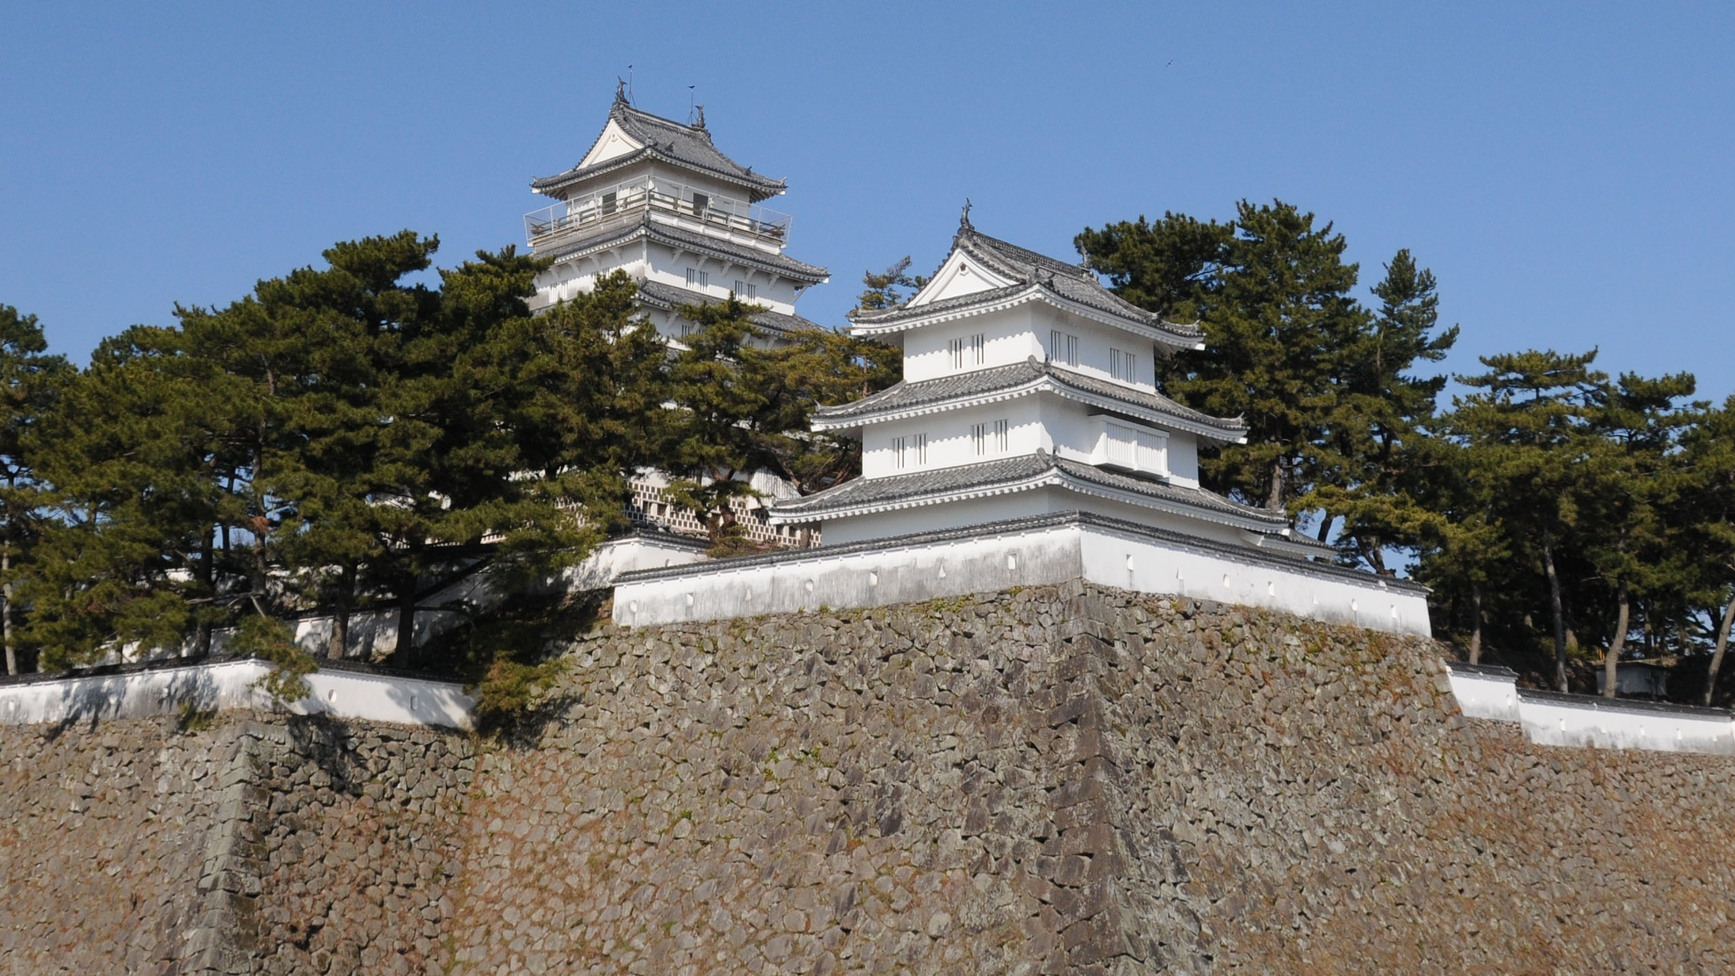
<point>1052,780</point>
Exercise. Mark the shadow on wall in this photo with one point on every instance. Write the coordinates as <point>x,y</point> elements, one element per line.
<point>87,701</point>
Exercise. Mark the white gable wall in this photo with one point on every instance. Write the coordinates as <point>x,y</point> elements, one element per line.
<point>613,143</point>
<point>958,276</point>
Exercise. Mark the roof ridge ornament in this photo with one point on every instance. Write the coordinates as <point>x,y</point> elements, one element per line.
<point>700,122</point>
<point>964,218</point>
<point>620,91</point>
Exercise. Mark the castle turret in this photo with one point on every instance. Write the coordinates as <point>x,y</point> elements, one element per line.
<point>1028,389</point>
<point>657,199</point>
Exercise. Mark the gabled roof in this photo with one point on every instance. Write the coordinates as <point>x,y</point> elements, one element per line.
<point>668,297</point>
<point>659,138</point>
<point>1032,375</point>
<point>1033,274</point>
<point>618,234</point>
<point>862,496</point>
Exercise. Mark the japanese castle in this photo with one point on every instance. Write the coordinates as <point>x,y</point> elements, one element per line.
<point>656,199</point>
<point>1027,443</point>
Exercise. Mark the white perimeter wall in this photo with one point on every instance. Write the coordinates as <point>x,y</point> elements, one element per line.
<point>1014,556</point>
<point>227,685</point>
<point>1599,723</point>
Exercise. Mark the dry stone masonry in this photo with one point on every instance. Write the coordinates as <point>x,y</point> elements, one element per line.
<point>1052,780</point>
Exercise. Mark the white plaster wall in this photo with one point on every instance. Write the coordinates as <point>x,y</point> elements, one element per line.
<point>229,685</point>
<point>1482,695</point>
<point>1074,434</point>
<point>1094,342</point>
<point>1132,562</point>
<point>1599,724</point>
<point>665,265</point>
<point>1585,722</point>
<point>936,518</point>
<point>950,441</point>
<point>1007,335</point>
<point>894,574</point>
<point>1014,556</point>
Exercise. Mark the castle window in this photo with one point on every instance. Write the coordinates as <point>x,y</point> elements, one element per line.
<point>1123,366</point>
<point>910,451</point>
<point>969,352</point>
<point>701,203</point>
<point>610,202</point>
<point>989,437</point>
<point>1062,348</point>
<point>746,290</point>
<point>697,278</point>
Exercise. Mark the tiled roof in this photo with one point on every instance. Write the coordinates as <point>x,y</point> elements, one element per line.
<point>684,145</point>
<point>772,261</point>
<point>1029,269</point>
<point>1011,474</point>
<point>985,382</point>
<point>659,295</point>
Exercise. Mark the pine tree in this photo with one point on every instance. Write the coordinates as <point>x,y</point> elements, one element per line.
<point>1528,432</point>
<point>1378,429</point>
<point>1273,294</point>
<point>1708,513</point>
<point>30,383</point>
<point>1634,479</point>
<point>130,452</point>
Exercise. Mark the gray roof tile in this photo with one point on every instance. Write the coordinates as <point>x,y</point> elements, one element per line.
<point>1029,269</point>
<point>983,382</point>
<point>686,145</point>
<point>1010,473</point>
<point>660,295</point>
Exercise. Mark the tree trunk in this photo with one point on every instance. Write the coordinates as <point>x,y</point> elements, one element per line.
<point>403,656</point>
<point>1325,525</point>
<point>6,611</point>
<point>338,645</point>
<point>1722,645</point>
<point>1274,500</point>
<point>1610,672</point>
<point>1475,623</point>
<point>1556,614</point>
<point>207,577</point>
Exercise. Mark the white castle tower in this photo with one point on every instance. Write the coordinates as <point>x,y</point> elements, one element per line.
<point>656,199</point>
<point>1027,445</point>
<point>1028,389</point>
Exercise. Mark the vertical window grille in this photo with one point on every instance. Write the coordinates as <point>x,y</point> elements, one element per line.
<point>745,290</point>
<point>969,352</point>
<point>1123,446</point>
<point>989,437</point>
<point>1123,366</point>
<point>898,450</point>
<point>697,278</point>
<point>921,448</point>
<point>1062,348</point>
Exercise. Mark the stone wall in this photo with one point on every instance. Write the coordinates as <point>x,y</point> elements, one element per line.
<point>254,845</point>
<point>1072,781</point>
<point>1051,780</point>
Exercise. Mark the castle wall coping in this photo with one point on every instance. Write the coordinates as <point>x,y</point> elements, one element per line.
<point>339,689</point>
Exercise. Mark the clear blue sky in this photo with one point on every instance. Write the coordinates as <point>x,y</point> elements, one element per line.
<point>1565,171</point>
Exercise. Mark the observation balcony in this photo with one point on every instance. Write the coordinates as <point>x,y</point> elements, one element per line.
<point>671,203</point>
